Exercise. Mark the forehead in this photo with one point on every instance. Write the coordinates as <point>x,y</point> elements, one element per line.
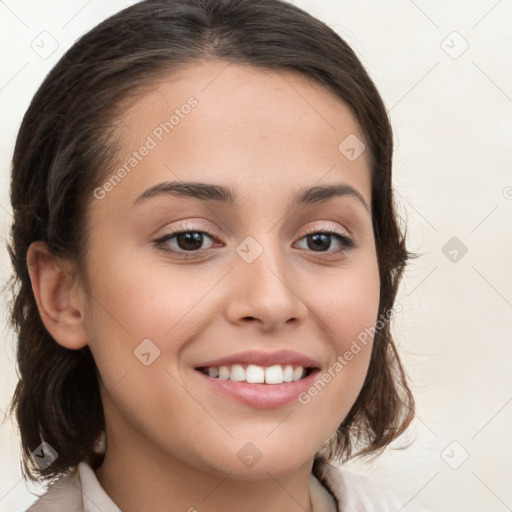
<point>222,122</point>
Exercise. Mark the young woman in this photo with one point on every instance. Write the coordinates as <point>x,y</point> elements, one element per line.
<point>206,257</point>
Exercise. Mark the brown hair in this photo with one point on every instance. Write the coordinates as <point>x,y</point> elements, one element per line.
<point>63,151</point>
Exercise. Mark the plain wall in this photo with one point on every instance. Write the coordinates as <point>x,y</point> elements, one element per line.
<point>451,111</point>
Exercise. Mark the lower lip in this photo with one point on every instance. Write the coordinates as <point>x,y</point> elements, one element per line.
<point>261,396</point>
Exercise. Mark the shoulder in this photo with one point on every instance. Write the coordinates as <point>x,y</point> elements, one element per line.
<point>80,491</point>
<point>65,495</point>
<point>356,492</point>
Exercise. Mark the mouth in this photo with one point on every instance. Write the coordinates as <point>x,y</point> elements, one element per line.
<point>256,374</point>
<point>258,379</point>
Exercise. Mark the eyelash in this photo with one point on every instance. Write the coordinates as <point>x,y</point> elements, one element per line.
<point>161,243</point>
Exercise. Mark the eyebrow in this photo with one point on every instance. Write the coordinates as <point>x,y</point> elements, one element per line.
<point>210,192</point>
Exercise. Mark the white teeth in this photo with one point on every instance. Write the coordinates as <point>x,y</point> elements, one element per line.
<point>297,373</point>
<point>224,373</point>
<point>254,374</point>
<point>288,373</point>
<point>237,372</point>
<point>274,374</point>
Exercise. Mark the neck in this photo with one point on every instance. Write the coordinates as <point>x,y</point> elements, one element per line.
<point>162,482</point>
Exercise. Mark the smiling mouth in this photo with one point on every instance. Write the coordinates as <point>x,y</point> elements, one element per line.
<point>255,374</point>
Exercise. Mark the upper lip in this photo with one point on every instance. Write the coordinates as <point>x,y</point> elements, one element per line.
<point>260,358</point>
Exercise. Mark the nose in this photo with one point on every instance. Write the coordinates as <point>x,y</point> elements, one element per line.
<point>265,292</point>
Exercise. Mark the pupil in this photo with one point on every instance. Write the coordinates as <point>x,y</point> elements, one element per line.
<point>320,241</point>
<point>190,240</point>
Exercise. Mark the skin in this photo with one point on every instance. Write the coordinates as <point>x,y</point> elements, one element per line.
<point>172,441</point>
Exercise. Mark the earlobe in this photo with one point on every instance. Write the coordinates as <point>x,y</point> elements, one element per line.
<point>54,290</point>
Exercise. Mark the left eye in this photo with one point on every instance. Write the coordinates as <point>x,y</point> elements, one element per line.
<point>317,241</point>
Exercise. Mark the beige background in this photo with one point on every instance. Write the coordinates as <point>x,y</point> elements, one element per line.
<point>451,109</point>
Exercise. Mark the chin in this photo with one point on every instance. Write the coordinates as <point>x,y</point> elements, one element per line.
<point>250,463</point>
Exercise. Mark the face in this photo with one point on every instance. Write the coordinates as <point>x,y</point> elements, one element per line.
<point>266,280</point>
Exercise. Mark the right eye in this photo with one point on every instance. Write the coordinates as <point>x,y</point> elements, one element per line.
<point>183,241</point>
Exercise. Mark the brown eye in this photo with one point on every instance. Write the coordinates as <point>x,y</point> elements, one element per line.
<point>319,242</point>
<point>189,241</point>
<point>322,241</point>
<point>183,241</point>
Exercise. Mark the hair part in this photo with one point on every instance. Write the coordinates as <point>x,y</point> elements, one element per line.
<point>67,143</point>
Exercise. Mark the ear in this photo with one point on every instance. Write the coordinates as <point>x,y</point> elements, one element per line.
<point>58,295</point>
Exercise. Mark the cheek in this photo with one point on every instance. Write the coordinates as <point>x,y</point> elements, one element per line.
<point>349,313</point>
<point>139,300</point>
<point>350,308</point>
<point>145,298</point>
